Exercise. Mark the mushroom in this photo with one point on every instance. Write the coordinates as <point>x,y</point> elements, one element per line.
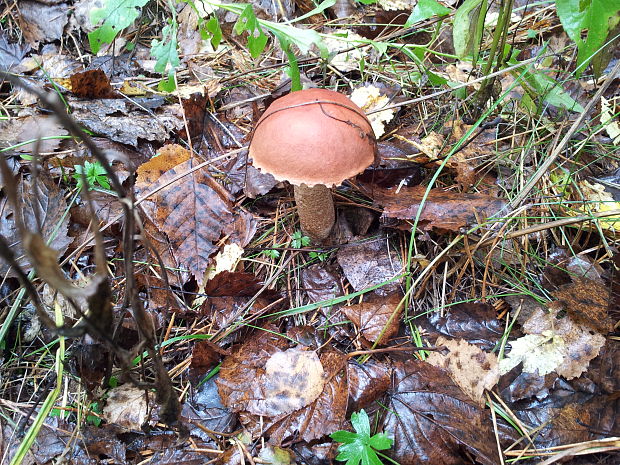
<point>314,139</point>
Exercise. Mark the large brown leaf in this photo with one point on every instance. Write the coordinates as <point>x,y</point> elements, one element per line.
<point>194,211</point>
<point>43,210</point>
<point>442,210</point>
<point>433,421</point>
<point>249,384</point>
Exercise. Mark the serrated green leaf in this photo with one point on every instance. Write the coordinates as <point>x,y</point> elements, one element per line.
<point>359,447</point>
<point>213,27</point>
<point>595,17</point>
<point>116,16</point>
<point>345,437</point>
<point>468,27</point>
<point>257,40</point>
<point>426,9</point>
<point>380,442</point>
<point>360,422</point>
<point>165,51</point>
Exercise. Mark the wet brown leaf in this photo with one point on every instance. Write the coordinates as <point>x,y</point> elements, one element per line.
<point>421,415</point>
<point>587,302</point>
<point>367,382</point>
<point>205,408</point>
<point>248,383</point>
<point>368,263</point>
<point>378,320</point>
<point>44,208</point>
<point>270,381</point>
<point>193,211</point>
<point>566,423</point>
<point>322,417</point>
<point>11,54</point>
<point>443,210</point>
<point>320,283</point>
<point>233,283</point>
<point>471,369</point>
<point>244,176</point>
<point>476,323</point>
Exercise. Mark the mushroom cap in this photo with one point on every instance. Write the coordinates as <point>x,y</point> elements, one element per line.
<point>313,136</point>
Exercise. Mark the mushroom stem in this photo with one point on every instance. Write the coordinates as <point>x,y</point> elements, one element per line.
<point>315,208</point>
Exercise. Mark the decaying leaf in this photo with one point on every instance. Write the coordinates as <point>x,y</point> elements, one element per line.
<point>443,210</point>
<point>193,211</point>
<point>41,22</point>
<point>596,198</point>
<point>292,380</point>
<point>19,130</point>
<point>472,369</point>
<point>422,416</point>
<point>270,381</point>
<point>553,343</point>
<point>367,382</point>
<point>43,210</point>
<point>587,303</point>
<point>126,406</point>
<point>123,122</point>
<point>368,263</point>
<point>377,320</point>
<point>267,391</point>
<point>322,417</point>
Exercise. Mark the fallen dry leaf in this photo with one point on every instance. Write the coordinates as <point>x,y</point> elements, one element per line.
<point>472,369</point>
<point>377,320</point>
<point>31,128</point>
<point>126,406</point>
<point>194,211</point>
<point>41,22</point>
<point>125,122</point>
<point>365,264</point>
<point>43,211</point>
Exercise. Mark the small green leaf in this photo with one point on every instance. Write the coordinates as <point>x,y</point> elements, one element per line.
<point>468,27</point>
<point>360,422</point>
<point>426,9</point>
<point>167,56</point>
<point>116,16</point>
<point>257,40</point>
<point>359,447</point>
<point>213,26</point>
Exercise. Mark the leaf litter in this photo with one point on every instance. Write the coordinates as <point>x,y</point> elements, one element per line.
<point>276,343</point>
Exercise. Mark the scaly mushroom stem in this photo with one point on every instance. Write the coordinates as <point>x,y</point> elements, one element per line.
<point>315,208</point>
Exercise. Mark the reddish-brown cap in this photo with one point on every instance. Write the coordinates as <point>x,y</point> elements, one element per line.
<point>313,136</point>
